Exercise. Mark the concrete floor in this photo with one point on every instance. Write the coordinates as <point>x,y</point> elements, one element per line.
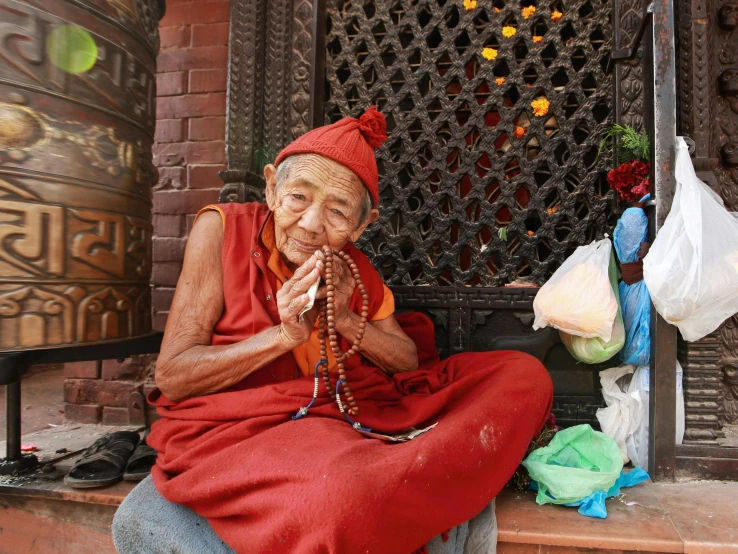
<point>42,399</point>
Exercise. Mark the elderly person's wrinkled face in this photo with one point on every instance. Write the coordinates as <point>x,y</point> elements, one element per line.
<point>315,202</point>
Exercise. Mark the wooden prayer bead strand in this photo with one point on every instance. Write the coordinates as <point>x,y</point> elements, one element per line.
<point>327,326</point>
<point>323,351</point>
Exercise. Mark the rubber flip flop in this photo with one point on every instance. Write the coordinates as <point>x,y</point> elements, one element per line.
<point>140,464</point>
<point>104,462</point>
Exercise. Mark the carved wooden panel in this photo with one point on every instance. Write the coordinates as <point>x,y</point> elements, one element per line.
<point>628,73</point>
<point>268,89</point>
<point>76,175</point>
<point>725,81</point>
<point>708,113</point>
<point>724,84</point>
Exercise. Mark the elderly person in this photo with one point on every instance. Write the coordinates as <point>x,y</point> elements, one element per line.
<point>243,464</point>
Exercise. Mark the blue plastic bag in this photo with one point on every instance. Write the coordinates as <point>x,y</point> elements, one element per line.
<point>594,504</point>
<point>635,301</point>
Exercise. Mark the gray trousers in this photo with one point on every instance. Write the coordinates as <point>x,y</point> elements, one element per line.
<point>147,523</point>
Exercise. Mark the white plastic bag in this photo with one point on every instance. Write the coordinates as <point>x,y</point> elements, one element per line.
<point>637,444</point>
<point>578,298</point>
<point>691,270</point>
<point>624,411</point>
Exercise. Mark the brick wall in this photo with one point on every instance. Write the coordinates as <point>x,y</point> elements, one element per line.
<point>189,152</point>
<point>190,132</point>
<point>100,391</point>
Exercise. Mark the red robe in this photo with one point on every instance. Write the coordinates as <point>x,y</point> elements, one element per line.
<point>268,484</point>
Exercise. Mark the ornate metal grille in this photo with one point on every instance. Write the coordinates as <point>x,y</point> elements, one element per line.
<point>467,156</point>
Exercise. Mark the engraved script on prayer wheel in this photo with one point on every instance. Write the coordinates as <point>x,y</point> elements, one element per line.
<point>77,100</point>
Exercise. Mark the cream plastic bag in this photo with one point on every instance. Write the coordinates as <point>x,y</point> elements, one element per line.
<point>578,299</point>
<point>596,350</point>
<point>691,270</point>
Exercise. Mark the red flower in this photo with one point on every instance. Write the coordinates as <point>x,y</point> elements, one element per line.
<point>630,180</point>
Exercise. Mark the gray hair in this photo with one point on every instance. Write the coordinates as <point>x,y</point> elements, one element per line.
<point>283,171</point>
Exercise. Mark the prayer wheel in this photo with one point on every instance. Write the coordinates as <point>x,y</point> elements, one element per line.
<point>77,115</point>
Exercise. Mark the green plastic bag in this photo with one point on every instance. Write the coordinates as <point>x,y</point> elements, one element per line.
<point>596,350</point>
<point>577,462</point>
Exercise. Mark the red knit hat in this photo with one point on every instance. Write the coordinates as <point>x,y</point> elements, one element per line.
<point>350,142</point>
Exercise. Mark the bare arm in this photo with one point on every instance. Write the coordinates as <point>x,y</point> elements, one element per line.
<point>188,365</point>
<point>384,343</point>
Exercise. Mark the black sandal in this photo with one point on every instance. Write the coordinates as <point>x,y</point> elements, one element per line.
<point>104,462</point>
<point>140,464</point>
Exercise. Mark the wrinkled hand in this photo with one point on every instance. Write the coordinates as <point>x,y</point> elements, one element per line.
<point>345,285</point>
<point>292,298</point>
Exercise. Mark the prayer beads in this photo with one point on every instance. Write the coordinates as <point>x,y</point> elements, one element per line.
<point>327,326</point>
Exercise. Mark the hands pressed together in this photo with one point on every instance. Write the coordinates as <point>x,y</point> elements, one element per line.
<point>293,297</point>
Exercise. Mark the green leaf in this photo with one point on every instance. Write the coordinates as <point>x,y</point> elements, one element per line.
<point>502,233</point>
<point>632,145</point>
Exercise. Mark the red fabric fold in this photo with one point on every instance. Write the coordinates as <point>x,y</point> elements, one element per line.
<point>268,484</point>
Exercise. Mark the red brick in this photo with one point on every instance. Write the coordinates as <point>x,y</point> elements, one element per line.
<point>184,202</point>
<point>175,37</point>
<point>169,130</point>
<point>162,298</point>
<point>172,178</point>
<point>128,369</point>
<point>204,176</point>
<point>191,105</point>
<point>159,322</point>
<point>82,391</point>
<point>168,225</point>
<point>207,128</point>
<point>208,80</point>
<point>83,413</point>
<point>115,416</point>
<point>82,370</point>
<point>165,274</point>
<point>171,84</point>
<point>168,249</point>
<point>116,393</point>
<point>186,153</point>
<point>190,220</point>
<point>204,57</point>
<point>213,34</point>
<point>202,12</point>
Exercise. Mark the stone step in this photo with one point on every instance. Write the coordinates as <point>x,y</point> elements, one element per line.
<point>688,517</point>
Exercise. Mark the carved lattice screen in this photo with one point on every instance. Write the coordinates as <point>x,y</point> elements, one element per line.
<point>453,171</point>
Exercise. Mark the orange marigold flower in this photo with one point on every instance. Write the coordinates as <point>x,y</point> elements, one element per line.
<point>556,15</point>
<point>519,131</point>
<point>540,106</point>
<point>528,11</point>
<point>497,10</point>
<point>489,53</point>
<point>550,211</point>
<point>537,38</point>
<point>500,80</point>
<point>531,233</point>
<point>509,31</point>
<point>528,85</point>
<point>470,4</point>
